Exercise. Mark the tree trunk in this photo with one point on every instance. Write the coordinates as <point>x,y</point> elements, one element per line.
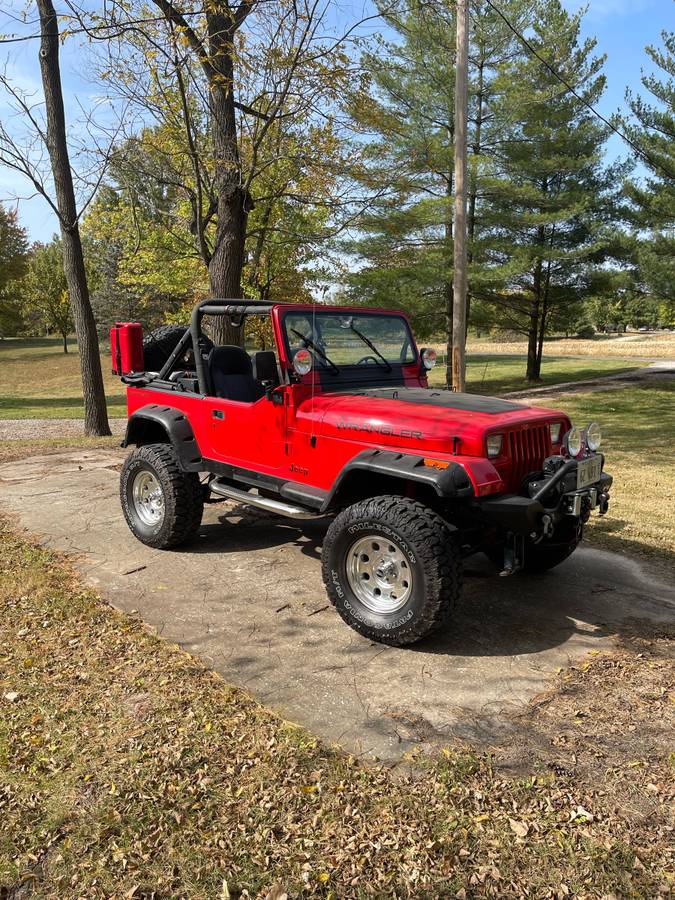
<point>227,261</point>
<point>448,292</point>
<point>533,360</point>
<point>473,186</point>
<point>95,411</point>
<point>65,341</point>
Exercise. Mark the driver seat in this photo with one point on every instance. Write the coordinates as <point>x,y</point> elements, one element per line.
<point>231,374</point>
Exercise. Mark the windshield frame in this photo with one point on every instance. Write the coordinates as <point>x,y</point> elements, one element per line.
<point>335,312</point>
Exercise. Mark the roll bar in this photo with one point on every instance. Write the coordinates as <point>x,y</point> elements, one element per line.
<point>236,309</point>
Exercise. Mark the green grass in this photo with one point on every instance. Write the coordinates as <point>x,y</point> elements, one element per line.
<point>41,382</point>
<point>497,374</point>
<point>638,425</point>
<point>131,770</point>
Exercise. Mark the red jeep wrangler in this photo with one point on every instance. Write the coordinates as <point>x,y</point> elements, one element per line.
<point>339,421</point>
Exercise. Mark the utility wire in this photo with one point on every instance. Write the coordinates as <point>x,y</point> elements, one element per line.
<point>638,150</point>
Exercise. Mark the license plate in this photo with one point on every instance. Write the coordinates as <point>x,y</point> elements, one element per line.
<point>588,471</point>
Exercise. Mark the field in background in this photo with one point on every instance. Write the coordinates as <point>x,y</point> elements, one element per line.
<point>659,345</point>
<point>496,374</point>
<point>40,381</point>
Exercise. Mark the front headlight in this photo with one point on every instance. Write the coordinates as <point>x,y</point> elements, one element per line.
<point>572,441</point>
<point>593,436</point>
<point>555,432</point>
<point>494,444</point>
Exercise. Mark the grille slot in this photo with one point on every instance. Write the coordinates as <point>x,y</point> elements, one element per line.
<point>528,448</point>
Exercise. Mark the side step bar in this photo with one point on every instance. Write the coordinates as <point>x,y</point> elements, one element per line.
<point>267,503</point>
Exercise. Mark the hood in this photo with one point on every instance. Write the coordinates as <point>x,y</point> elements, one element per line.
<point>418,419</point>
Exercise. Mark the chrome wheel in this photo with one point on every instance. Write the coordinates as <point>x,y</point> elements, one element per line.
<point>379,574</point>
<point>148,498</point>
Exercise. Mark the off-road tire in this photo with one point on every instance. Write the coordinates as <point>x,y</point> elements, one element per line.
<point>159,344</point>
<point>433,554</point>
<point>182,491</point>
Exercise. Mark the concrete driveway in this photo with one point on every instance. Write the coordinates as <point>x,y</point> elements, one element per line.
<point>247,598</point>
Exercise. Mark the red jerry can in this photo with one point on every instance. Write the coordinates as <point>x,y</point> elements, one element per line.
<point>126,348</point>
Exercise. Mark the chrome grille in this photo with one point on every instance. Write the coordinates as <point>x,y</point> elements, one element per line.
<point>528,448</point>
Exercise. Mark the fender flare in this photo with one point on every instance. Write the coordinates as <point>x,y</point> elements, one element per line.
<point>449,482</point>
<point>144,424</point>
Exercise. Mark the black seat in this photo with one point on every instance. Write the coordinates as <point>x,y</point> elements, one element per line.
<point>231,374</point>
<point>265,367</point>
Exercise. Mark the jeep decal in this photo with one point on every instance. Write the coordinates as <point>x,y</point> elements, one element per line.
<point>380,429</point>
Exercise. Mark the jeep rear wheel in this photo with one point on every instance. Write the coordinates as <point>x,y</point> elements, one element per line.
<point>162,504</point>
<point>392,569</point>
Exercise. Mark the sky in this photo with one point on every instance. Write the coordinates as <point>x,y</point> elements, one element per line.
<point>622,27</point>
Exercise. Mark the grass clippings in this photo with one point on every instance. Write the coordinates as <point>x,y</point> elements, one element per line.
<point>129,770</point>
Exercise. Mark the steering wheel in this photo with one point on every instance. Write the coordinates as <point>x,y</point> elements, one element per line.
<point>365,359</point>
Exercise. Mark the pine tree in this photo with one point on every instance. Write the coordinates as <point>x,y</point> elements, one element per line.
<point>551,201</point>
<point>405,242</point>
<point>654,201</point>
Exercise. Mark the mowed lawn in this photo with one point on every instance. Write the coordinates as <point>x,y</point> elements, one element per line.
<point>495,373</point>
<point>40,381</point>
<point>638,425</point>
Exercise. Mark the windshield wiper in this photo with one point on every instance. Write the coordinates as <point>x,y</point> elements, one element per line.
<point>372,346</point>
<point>309,344</point>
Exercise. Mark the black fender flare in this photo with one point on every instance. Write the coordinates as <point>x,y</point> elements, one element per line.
<point>448,482</point>
<point>148,423</point>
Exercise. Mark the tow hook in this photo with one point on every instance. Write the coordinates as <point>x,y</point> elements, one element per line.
<point>547,526</point>
<point>603,504</point>
<point>514,553</point>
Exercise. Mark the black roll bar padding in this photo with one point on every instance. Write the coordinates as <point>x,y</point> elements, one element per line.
<point>217,306</point>
<point>177,352</point>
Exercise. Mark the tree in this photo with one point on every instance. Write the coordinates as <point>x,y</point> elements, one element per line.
<point>653,130</point>
<point>233,89</point>
<point>405,240</point>
<point>49,132</point>
<point>13,262</point>
<point>553,205</point>
<point>44,290</point>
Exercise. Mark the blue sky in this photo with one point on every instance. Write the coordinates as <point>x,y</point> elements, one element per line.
<point>622,27</point>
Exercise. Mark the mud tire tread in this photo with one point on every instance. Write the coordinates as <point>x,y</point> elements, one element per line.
<point>435,546</point>
<point>183,496</point>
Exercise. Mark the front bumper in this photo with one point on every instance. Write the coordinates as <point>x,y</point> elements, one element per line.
<point>551,500</point>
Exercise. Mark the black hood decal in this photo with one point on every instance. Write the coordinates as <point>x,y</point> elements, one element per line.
<point>443,399</point>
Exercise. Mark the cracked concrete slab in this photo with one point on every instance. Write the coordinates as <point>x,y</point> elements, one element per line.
<point>247,598</point>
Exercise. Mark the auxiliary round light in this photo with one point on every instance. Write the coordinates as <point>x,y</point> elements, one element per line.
<point>302,362</point>
<point>593,436</point>
<point>428,358</point>
<point>572,441</point>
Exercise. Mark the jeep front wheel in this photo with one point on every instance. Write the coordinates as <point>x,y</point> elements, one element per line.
<point>162,504</point>
<point>392,569</point>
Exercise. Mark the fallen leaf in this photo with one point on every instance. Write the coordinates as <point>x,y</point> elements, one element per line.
<point>519,828</point>
<point>11,696</point>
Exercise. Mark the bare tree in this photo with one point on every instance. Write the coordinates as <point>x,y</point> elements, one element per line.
<point>51,135</point>
<point>249,86</point>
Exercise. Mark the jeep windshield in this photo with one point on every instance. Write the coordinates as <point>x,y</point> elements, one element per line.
<point>343,339</point>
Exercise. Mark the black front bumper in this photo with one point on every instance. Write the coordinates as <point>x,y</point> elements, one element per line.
<point>554,498</point>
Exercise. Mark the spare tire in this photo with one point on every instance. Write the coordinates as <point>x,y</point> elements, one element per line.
<point>159,344</point>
